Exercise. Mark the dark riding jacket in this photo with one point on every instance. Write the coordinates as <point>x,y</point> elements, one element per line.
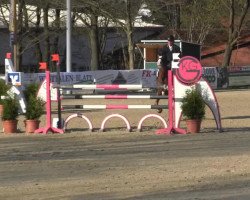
<point>167,55</point>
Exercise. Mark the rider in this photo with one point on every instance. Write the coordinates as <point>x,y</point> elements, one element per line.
<point>165,55</point>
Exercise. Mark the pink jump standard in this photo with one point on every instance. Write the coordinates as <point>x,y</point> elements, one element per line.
<point>171,127</point>
<point>48,127</point>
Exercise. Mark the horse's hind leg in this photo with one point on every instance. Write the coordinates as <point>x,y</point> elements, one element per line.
<point>165,89</point>
<point>159,93</point>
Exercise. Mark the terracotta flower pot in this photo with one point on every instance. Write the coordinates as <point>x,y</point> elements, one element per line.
<point>193,125</point>
<point>1,109</point>
<point>10,126</point>
<point>31,125</point>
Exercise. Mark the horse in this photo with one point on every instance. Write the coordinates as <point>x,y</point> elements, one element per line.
<point>161,82</point>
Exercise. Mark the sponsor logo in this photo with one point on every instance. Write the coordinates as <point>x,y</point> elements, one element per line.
<point>190,70</point>
<point>14,78</point>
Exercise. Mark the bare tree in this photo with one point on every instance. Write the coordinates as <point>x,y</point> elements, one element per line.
<point>4,9</point>
<point>120,12</point>
<point>191,20</point>
<point>124,16</point>
<point>198,19</point>
<point>46,55</point>
<point>90,21</point>
<point>237,12</point>
<point>165,12</point>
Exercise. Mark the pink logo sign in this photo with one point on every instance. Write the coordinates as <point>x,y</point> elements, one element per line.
<point>190,70</point>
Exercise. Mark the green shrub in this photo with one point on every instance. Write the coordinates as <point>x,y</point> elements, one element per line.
<point>10,111</point>
<point>193,105</point>
<point>31,90</point>
<point>34,105</point>
<point>3,89</point>
<point>34,108</point>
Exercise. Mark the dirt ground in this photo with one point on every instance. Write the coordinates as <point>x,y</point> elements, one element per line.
<point>120,165</point>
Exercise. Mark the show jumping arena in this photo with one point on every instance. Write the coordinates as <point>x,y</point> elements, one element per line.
<point>118,164</point>
<point>125,164</point>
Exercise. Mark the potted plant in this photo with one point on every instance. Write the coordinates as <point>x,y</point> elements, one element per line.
<point>10,114</point>
<point>193,110</point>
<point>3,92</point>
<point>34,108</point>
<point>31,90</point>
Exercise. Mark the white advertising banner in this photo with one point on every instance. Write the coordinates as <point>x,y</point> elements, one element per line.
<point>145,77</point>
